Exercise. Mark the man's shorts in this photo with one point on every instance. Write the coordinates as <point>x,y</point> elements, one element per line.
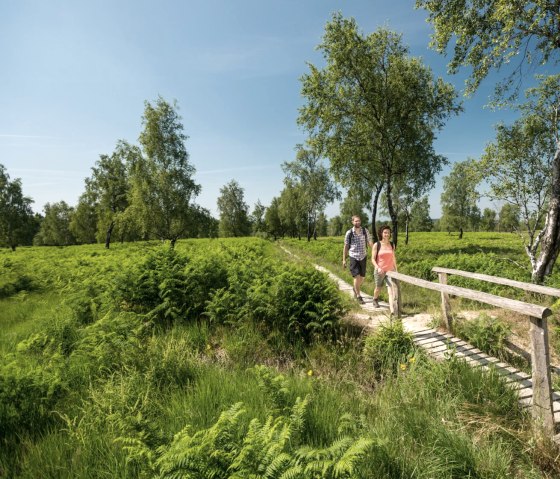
<point>381,278</point>
<point>358,266</point>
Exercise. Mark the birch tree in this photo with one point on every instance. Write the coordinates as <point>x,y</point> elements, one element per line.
<point>521,168</point>
<point>374,110</point>
<point>513,37</point>
<point>162,186</point>
<point>317,188</point>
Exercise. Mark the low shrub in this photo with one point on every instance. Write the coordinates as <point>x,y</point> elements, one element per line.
<point>109,344</point>
<point>485,333</point>
<point>28,395</point>
<point>168,286</point>
<point>388,347</point>
<point>300,301</point>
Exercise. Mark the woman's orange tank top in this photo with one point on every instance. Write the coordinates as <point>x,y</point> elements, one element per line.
<point>386,258</point>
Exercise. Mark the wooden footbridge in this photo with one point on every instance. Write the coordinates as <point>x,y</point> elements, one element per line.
<point>535,389</point>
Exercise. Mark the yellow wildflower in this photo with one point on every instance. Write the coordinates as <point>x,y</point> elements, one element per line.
<point>310,372</point>
<point>403,367</point>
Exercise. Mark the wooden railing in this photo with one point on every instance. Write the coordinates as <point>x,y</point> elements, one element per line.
<point>542,385</point>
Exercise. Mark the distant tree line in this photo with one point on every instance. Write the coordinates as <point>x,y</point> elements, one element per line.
<point>371,113</point>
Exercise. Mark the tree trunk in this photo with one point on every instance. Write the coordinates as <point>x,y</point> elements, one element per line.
<point>392,214</point>
<point>406,232</point>
<point>108,235</point>
<point>13,246</point>
<point>461,232</point>
<point>550,244</point>
<point>172,243</point>
<point>374,202</point>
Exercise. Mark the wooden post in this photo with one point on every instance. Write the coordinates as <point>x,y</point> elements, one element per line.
<point>445,305</point>
<point>542,386</point>
<point>395,297</point>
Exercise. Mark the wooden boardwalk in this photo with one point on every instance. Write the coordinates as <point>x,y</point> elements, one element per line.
<point>440,344</point>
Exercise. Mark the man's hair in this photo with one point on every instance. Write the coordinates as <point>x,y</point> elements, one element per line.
<point>383,228</point>
<point>356,216</point>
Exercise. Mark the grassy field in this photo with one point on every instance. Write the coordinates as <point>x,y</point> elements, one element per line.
<point>225,358</point>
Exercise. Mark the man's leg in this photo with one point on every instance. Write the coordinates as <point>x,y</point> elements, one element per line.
<point>358,280</point>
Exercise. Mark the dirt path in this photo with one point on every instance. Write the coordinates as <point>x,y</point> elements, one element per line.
<point>439,344</point>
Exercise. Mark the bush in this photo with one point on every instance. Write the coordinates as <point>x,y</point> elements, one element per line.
<point>11,284</point>
<point>170,287</point>
<point>109,344</point>
<point>301,302</point>
<point>389,346</point>
<point>485,333</point>
<point>28,395</point>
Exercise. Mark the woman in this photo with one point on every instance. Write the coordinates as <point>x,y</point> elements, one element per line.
<point>383,260</point>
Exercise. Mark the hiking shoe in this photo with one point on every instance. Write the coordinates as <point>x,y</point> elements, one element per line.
<point>360,300</point>
<point>375,303</point>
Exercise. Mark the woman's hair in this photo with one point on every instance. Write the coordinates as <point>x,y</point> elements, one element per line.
<point>381,229</point>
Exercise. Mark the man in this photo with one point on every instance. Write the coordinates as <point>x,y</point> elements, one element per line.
<point>355,246</point>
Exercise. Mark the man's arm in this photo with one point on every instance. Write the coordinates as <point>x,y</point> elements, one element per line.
<point>344,253</point>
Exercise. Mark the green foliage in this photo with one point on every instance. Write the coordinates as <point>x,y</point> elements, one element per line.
<point>168,286</point>
<point>12,281</point>
<point>488,34</point>
<point>234,212</point>
<point>299,301</point>
<point>109,344</point>
<point>317,187</point>
<point>373,76</point>
<point>162,185</point>
<point>28,395</point>
<point>420,215</point>
<point>485,333</point>
<point>122,388</point>
<point>459,197</point>
<point>388,346</point>
<point>16,217</point>
<point>266,449</point>
<point>55,227</point>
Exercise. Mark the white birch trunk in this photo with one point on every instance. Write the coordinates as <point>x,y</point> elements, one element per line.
<point>550,244</point>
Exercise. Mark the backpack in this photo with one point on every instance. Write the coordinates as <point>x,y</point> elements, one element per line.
<point>378,247</point>
<point>364,232</point>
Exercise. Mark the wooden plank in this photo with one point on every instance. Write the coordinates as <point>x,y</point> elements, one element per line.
<point>511,304</point>
<point>437,348</point>
<point>535,288</point>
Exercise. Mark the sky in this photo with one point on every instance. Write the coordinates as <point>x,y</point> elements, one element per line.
<point>74,78</point>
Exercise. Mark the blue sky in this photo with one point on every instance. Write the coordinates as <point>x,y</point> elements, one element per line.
<point>75,76</point>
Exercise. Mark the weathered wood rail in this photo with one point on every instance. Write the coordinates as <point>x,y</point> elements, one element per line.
<point>542,407</point>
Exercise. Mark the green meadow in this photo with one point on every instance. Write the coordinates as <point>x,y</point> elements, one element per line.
<point>228,358</point>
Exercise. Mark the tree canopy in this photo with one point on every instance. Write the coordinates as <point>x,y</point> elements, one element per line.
<point>162,185</point>
<point>16,216</point>
<point>373,110</point>
<point>459,197</point>
<point>234,212</point>
<point>491,34</point>
<point>316,186</point>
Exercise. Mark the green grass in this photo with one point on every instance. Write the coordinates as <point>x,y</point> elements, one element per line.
<point>127,390</point>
